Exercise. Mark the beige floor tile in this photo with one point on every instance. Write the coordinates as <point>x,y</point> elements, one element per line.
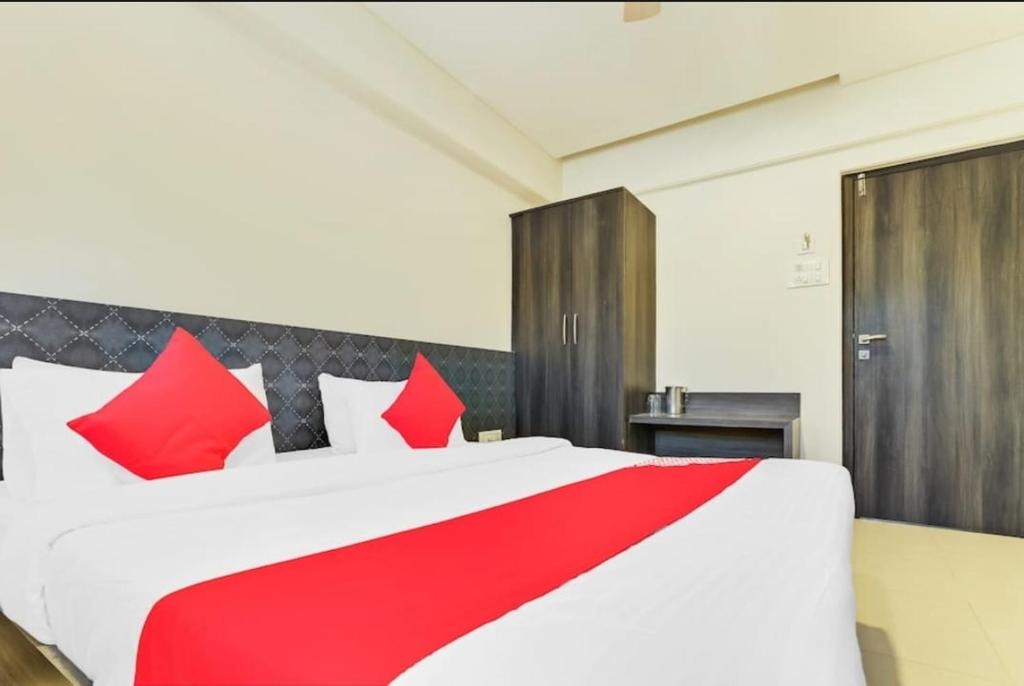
<point>877,536</point>
<point>971,543</point>
<point>886,670</point>
<point>895,569</point>
<point>937,606</point>
<point>1002,617</point>
<point>928,627</point>
<point>943,632</point>
<point>990,569</point>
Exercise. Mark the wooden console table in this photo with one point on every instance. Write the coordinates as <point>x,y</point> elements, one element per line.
<point>727,425</point>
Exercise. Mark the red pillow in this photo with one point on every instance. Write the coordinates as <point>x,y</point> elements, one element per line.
<point>426,409</point>
<point>185,414</point>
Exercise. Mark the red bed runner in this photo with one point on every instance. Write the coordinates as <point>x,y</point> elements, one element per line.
<point>365,613</point>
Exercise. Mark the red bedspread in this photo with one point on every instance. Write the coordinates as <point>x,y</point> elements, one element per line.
<point>365,613</point>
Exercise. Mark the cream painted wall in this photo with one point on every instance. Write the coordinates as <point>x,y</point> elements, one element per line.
<point>268,163</point>
<point>205,160</point>
<point>734,193</point>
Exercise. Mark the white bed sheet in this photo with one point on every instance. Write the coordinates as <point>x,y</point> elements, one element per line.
<point>7,507</point>
<point>754,587</point>
<point>312,453</point>
<point>9,504</point>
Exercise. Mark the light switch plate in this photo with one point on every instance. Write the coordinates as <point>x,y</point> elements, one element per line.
<point>489,436</point>
<point>809,271</point>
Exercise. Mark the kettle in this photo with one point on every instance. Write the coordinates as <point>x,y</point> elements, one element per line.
<point>675,399</point>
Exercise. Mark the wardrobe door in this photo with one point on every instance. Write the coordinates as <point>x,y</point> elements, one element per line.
<point>639,304</point>
<point>597,416</point>
<point>541,289</point>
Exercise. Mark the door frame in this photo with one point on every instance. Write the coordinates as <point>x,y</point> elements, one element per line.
<point>848,186</point>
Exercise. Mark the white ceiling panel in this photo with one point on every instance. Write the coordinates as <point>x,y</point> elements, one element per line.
<point>574,76</point>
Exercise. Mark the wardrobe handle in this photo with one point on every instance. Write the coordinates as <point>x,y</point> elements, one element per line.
<point>565,318</point>
<point>575,323</point>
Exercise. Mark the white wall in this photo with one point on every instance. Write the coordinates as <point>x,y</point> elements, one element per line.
<point>208,159</point>
<point>734,193</point>
<point>306,165</point>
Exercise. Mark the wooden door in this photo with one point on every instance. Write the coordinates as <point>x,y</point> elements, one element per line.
<point>935,255</point>
<point>597,414</point>
<point>541,293</point>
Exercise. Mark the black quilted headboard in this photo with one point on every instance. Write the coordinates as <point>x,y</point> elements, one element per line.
<point>128,339</point>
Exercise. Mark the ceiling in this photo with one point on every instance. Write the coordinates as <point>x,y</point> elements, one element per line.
<point>573,76</point>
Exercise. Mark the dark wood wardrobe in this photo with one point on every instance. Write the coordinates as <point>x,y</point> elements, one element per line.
<point>583,318</point>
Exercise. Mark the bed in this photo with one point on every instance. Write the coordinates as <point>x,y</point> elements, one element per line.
<point>522,561</point>
<point>752,587</point>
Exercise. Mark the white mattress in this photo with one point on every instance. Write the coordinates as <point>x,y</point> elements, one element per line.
<point>753,587</point>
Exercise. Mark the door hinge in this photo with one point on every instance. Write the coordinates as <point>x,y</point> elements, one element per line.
<point>862,186</point>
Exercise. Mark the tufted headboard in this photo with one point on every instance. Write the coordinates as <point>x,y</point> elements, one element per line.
<point>128,339</point>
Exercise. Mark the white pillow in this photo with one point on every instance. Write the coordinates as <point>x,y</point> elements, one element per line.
<point>45,396</point>
<point>352,415</point>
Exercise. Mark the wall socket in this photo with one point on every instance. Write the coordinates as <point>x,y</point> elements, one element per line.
<point>489,436</point>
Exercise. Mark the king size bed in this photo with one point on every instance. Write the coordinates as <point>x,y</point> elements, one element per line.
<point>522,561</point>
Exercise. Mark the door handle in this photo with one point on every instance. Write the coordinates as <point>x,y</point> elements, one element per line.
<point>866,338</point>
<point>565,319</point>
<point>575,323</point>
